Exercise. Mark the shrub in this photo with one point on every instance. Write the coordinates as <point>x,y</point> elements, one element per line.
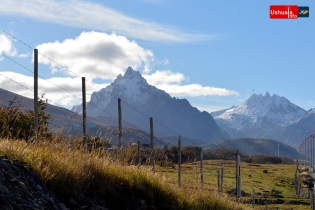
<point>18,124</point>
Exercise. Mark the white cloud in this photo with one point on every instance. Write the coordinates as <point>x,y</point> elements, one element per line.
<point>99,55</point>
<point>6,46</point>
<point>165,78</point>
<point>52,92</point>
<point>88,15</point>
<point>195,90</point>
<point>23,55</point>
<point>210,108</point>
<point>172,84</point>
<point>96,55</point>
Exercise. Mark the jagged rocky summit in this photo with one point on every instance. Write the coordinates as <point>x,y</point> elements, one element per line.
<point>137,95</point>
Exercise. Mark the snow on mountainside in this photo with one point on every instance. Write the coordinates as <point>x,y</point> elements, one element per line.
<point>300,129</point>
<point>216,113</point>
<point>260,116</point>
<point>175,114</point>
<point>132,87</point>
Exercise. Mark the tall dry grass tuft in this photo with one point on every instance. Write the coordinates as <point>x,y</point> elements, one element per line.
<point>95,176</point>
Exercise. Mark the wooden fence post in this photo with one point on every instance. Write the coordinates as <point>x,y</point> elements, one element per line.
<point>152,145</point>
<point>120,124</point>
<point>120,143</point>
<point>253,198</point>
<point>35,95</point>
<point>238,176</point>
<point>139,154</point>
<point>296,178</point>
<point>179,161</point>
<point>218,180</point>
<point>312,199</point>
<point>222,173</point>
<point>201,167</point>
<point>84,115</point>
<point>308,152</point>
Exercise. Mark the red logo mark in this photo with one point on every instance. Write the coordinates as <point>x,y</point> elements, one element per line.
<point>284,11</point>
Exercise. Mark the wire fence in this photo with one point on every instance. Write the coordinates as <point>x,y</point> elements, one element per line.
<point>213,177</point>
<point>131,125</point>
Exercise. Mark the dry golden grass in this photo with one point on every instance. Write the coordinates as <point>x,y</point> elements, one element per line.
<point>70,173</point>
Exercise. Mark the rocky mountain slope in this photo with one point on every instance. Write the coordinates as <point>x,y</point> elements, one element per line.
<point>301,129</point>
<point>175,114</point>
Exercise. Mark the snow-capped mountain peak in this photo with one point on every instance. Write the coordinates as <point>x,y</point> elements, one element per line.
<point>132,87</point>
<point>137,94</point>
<point>259,114</point>
<point>263,105</point>
<point>130,73</point>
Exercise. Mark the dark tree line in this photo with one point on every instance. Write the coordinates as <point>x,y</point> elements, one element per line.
<point>190,154</point>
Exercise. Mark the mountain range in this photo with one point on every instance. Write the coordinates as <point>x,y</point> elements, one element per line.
<point>172,116</point>
<point>269,117</point>
<point>259,117</point>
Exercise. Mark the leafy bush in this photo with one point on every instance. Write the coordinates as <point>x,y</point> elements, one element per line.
<point>93,142</point>
<point>18,124</point>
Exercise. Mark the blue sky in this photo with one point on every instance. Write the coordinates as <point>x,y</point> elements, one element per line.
<point>213,53</point>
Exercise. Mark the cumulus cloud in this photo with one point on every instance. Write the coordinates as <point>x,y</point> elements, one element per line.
<point>49,88</point>
<point>6,46</point>
<point>172,84</point>
<point>96,55</point>
<point>88,15</point>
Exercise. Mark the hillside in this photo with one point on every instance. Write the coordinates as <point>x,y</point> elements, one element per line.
<point>93,181</point>
<point>67,123</point>
<point>252,146</point>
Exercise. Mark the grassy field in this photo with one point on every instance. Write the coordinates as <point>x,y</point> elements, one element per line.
<point>260,177</point>
<point>70,173</point>
<point>277,181</point>
<point>99,178</point>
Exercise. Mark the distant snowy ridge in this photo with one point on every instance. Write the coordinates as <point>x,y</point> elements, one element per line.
<point>260,116</point>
